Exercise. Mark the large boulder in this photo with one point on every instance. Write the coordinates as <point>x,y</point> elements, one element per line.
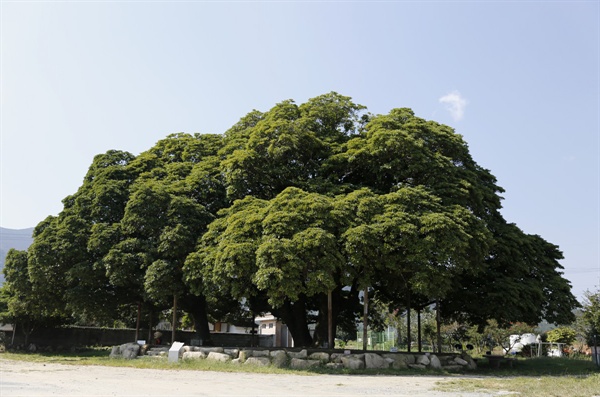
<point>321,356</point>
<point>273,353</point>
<point>471,364</point>
<point>218,357</point>
<point>434,362</point>
<point>407,358</point>
<point>301,354</point>
<point>244,354</point>
<point>299,363</point>
<point>232,352</point>
<point>130,351</point>
<point>208,350</point>
<point>459,361</point>
<point>396,360</point>
<point>115,352</point>
<point>191,355</point>
<point>353,363</point>
<point>280,359</point>
<point>258,361</point>
<point>422,360</point>
<point>260,353</point>
<point>373,360</point>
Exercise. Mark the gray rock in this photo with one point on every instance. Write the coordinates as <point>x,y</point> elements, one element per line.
<point>236,361</point>
<point>193,355</point>
<point>115,352</point>
<point>321,356</point>
<point>416,366</point>
<point>131,351</point>
<point>260,353</point>
<point>258,361</point>
<point>373,360</point>
<point>280,359</point>
<point>208,350</point>
<point>472,364</point>
<point>299,363</point>
<point>335,365</point>
<point>399,364</point>
<point>336,358</point>
<point>422,360</point>
<point>244,354</point>
<point>407,358</point>
<point>353,363</point>
<point>434,362</point>
<point>460,361</point>
<point>301,354</point>
<point>218,357</point>
<point>232,352</point>
<point>360,356</point>
<point>273,353</point>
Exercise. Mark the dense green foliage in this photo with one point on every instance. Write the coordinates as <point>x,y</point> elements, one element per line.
<point>591,318</point>
<point>284,208</point>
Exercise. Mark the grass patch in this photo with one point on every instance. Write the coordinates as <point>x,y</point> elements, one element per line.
<point>100,356</point>
<point>536,377</point>
<point>544,386</point>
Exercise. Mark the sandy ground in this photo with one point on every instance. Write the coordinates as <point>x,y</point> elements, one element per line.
<point>36,379</point>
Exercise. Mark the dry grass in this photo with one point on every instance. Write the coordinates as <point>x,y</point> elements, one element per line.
<point>545,386</point>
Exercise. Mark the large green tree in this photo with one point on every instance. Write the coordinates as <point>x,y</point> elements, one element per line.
<point>289,210</point>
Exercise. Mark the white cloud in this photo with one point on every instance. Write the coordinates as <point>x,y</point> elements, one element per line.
<point>455,104</point>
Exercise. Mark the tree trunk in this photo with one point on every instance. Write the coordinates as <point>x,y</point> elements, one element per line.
<point>365,314</point>
<point>438,320</point>
<point>150,336</point>
<point>196,307</point>
<point>329,309</point>
<point>408,336</point>
<point>174,324</point>
<point>419,341</point>
<point>330,344</point>
<point>294,316</point>
<point>137,322</point>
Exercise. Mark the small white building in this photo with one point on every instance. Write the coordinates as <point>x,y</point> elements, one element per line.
<point>270,325</point>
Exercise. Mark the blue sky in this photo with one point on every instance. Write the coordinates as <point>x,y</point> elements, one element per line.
<point>519,80</point>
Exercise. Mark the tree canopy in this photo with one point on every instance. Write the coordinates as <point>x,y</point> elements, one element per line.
<point>285,209</point>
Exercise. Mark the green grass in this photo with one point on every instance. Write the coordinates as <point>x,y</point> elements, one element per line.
<point>100,356</point>
<point>543,386</point>
<point>535,377</point>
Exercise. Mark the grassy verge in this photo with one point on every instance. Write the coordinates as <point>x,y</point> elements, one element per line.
<point>537,377</point>
<point>100,357</point>
<point>544,386</point>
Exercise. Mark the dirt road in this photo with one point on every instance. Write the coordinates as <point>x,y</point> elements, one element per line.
<point>36,379</point>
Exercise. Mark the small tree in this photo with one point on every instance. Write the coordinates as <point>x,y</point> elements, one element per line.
<point>591,317</point>
<point>562,335</point>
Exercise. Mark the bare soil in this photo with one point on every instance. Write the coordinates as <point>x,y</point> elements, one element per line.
<point>36,379</point>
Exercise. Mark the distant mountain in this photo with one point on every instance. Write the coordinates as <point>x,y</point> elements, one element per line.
<point>19,239</point>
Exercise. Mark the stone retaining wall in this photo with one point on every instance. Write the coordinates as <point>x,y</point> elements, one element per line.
<point>302,359</point>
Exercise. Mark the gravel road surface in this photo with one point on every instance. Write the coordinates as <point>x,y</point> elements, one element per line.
<point>36,379</point>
